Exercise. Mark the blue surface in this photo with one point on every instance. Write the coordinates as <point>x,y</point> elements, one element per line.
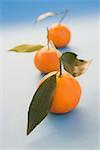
<point>77,130</point>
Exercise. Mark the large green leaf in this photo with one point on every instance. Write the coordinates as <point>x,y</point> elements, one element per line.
<point>41,102</point>
<point>26,48</point>
<point>73,65</point>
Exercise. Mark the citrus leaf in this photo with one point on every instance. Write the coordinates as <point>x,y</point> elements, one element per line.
<point>73,65</point>
<point>45,15</point>
<point>26,48</point>
<point>41,102</point>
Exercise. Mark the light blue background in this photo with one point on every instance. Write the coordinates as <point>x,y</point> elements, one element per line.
<point>14,11</point>
<point>77,130</point>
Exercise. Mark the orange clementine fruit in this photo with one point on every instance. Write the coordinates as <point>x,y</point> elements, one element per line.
<point>46,60</point>
<point>60,35</point>
<point>67,93</point>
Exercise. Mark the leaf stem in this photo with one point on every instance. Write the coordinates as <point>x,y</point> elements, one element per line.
<point>48,38</point>
<point>60,67</point>
<point>64,14</point>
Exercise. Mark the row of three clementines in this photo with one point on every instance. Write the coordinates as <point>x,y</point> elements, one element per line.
<point>59,91</point>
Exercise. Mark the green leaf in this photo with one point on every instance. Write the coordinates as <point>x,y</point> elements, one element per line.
<point>41,102</point>
<point>73,65</point>
<point>50,14</point>
<point>26,48</point>
<point>45,15</point>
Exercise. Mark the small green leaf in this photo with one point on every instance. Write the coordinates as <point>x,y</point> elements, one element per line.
<point>50,14</point>
<point>41,102</point>
<point>73,65</point>
<point>45,15</point>
<point>26,48</point>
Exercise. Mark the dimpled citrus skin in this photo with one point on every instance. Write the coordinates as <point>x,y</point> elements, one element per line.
<point>46,60</point>
<point>67,94</point>
<point>60,35</point>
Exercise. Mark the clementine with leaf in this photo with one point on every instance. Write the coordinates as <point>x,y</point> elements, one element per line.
<point>57,94</point>
<point>59,33</point>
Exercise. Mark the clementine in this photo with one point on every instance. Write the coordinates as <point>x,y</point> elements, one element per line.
<point>60,35</point>
<point>46,60</point>
<point>67,93</point>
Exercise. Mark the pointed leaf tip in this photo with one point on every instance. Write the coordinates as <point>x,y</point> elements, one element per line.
<point>41,103</point>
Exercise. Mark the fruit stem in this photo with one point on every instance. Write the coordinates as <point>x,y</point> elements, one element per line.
<point>64,14</point>
<point>52,45</point>
<point>48,38</point>
<point>60,67</point>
